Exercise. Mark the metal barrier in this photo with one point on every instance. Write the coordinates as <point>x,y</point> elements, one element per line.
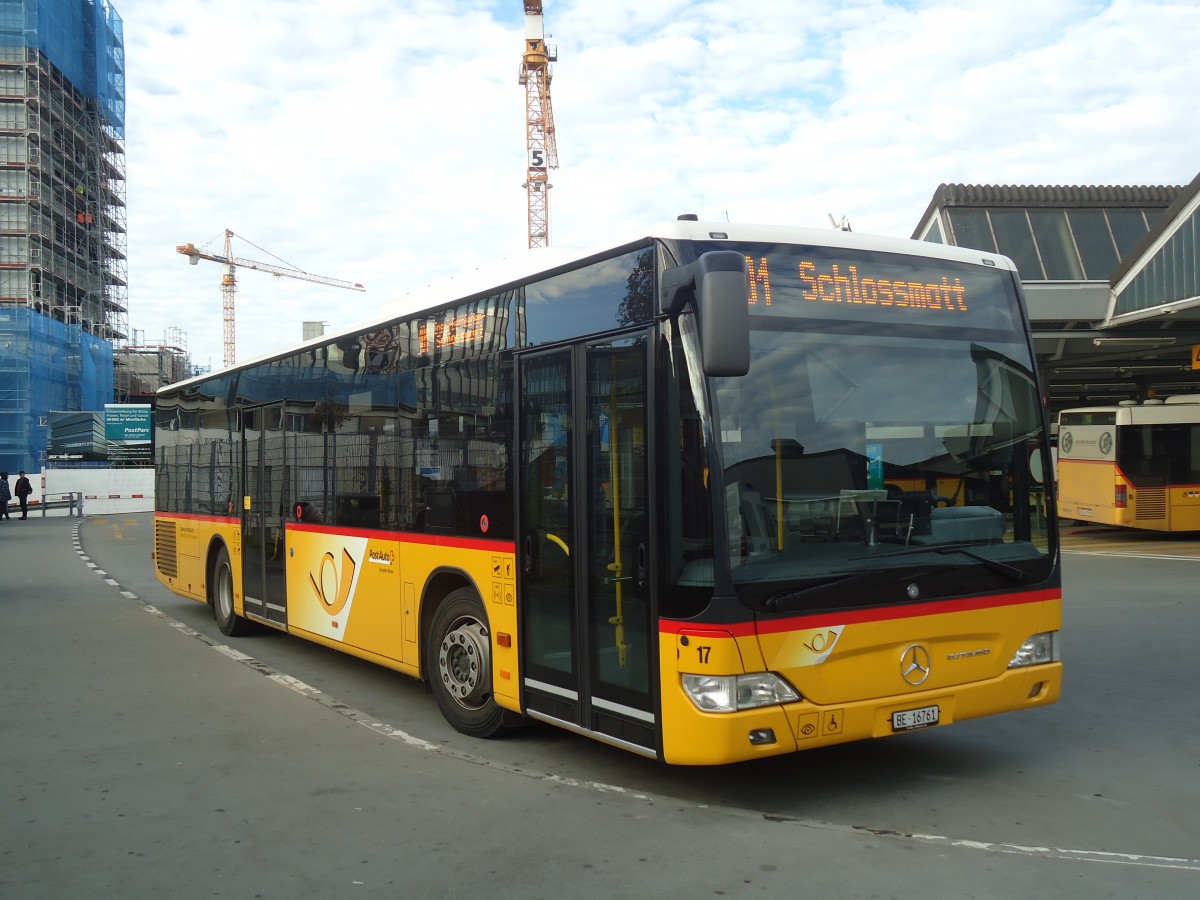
<point>72,502</point>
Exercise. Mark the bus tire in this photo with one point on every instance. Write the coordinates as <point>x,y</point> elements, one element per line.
<point>459,652</point>
<point>220,596</point>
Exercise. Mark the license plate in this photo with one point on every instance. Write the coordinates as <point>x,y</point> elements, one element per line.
<point>908,719</point>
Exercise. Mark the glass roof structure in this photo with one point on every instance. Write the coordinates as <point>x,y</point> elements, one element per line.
<point>1162,274</point>
<point>1111,275</point>
<point>1051,233</point>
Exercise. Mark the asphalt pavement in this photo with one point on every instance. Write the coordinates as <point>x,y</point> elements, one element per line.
<point>144,759</point>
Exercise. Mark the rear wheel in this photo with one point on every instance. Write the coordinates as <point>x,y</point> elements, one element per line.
<point>220,595</point>
<point>459,652</point>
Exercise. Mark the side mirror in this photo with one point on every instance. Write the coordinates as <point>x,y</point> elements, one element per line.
<point>718,286</point>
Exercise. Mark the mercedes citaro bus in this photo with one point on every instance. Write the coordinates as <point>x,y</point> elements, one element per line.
<point>712,493</point>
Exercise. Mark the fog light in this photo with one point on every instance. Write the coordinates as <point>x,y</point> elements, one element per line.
<point>762,736</point>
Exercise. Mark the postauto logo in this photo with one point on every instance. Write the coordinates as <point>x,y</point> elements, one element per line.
<point>332,583</point>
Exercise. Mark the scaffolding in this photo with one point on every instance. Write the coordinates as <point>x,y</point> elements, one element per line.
<point>140,368</point>
<point>63,246</point>
<point>45,365</point>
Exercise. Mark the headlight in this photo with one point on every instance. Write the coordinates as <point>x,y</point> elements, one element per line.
<point>727,693</point>
<point>1037,649</point>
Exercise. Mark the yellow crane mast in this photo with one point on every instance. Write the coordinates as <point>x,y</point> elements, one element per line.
<point>229,282</point>
<point>539,123</point>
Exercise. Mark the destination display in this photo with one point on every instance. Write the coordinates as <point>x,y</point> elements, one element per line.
<point>831,283</point>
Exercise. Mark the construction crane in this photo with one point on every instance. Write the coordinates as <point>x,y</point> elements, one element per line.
<point>229,282</point>
<point>539,123</point>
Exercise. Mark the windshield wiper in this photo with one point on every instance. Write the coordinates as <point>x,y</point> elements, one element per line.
<point>1019,575</point>
<point>776,602</point>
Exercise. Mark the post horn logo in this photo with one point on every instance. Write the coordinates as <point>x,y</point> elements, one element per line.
<point>331,587</point>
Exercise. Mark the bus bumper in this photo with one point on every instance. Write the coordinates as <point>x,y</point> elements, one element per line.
<point>693,737</point>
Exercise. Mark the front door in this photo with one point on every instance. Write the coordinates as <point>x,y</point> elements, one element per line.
<point>264,512</point>
<point>589,650</point>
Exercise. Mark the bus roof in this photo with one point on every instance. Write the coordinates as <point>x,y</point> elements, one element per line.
<point>1174,400</point>
<point>1181,409</point>
<point>496,275</point>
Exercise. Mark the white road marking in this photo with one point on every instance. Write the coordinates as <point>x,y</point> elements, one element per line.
<point>1124,553</point>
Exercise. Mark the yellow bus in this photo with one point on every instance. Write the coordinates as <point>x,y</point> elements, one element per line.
<point>713,493</point>
<point>1136,465</point>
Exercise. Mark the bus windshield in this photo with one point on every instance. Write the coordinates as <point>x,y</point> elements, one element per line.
<point>872,439</point>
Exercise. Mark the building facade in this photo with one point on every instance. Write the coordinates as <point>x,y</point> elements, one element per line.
<point>63,287</point>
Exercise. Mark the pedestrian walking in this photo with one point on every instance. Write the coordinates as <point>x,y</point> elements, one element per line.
<point>23,489</point>
<point>5,495</point>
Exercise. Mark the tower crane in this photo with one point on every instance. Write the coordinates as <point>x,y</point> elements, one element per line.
<point>539,123</point>
<point>229,282</point>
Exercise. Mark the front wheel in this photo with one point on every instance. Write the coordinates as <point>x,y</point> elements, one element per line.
<point>459,651</point>
<point>220,595</point>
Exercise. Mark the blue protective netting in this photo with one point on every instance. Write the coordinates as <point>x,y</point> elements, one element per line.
<point>45,366</point>
<point>84,39</point>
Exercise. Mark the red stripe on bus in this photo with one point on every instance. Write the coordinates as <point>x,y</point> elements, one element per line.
<point>196,517</point>
<point>430,540</point>
<point>860,616</point>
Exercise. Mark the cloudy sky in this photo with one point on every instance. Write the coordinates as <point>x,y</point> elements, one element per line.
<point>383,141</point>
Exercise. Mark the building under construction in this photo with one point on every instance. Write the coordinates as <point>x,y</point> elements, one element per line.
<point>63,289</point>
<point>141,368</point>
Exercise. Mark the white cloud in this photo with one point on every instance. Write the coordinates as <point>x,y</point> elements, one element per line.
<point>382,141</point>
